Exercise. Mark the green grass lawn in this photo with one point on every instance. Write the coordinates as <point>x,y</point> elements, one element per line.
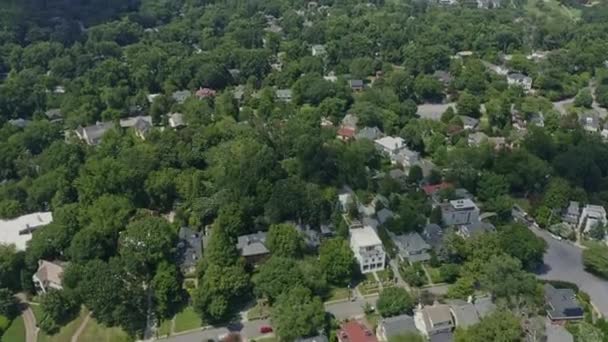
<point>165,328</point>
<point>15,332</point>
<point>187,319</point>
<point>434,274</point>
<point>338,293</point>
<point>259,311</point>
<point>37,312</point>
<point>95,332</point>
<point>386,275</point>
<point>552,9</point>
<point>66,332</point>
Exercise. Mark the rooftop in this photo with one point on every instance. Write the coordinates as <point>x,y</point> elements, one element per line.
<point>465,313</point>
<point>463,204</point>
<point>354,331</point>
<point>398,325</point>
<point>365,237</point>
<point>562,303</point>
<point>51,272</point>
<point>18,231</point>
<point>252,244</point>
<point>189,247</point>
<point>391,143</point>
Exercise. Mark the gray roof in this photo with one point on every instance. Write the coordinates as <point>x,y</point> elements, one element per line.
<point>370,133</point>
<point>396,173</point>
<point>464,313</point>
<point>518,76</point>
<point>412,247</point>
<point>189,247</point>
<point>590,121</point>
<point>180,96</point>
<point>252,244</point>
<point>384,215</point>
<point>283,94</point>
<point>469,121</point>
<point>484,306</point>
<point>94,133</point>
<point>398,325</point>
<point>21,123</point>
<point>356,83</point>
<point>142,126</point>
<point>443,76</point>
<point>312,238</point>
<point>433,235</point>
<point>54,113</point>
<point>368,221</point>
<point>562,303</point>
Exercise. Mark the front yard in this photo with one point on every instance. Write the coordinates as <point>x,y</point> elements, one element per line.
<point>66,332</point>
<point>95,332</point>
<point>15,331</point>
<point>187,319</point>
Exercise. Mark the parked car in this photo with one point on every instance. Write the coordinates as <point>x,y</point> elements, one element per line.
<point>265,329</point>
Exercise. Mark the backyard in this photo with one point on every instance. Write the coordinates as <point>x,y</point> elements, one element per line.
<point>66,332</point>
<point>15,332</point>
<point>95,332</point>
<point>187,319</point>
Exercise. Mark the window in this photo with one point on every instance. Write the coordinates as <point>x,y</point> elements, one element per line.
<point>365,267</point>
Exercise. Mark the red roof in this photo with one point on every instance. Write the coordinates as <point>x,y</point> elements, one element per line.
<point>347,132</point>
<point>205,92</point>
<point>354,331</point>
<point>431,189</point>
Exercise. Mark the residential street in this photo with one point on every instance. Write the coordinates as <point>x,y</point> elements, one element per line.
<point>563,261</point>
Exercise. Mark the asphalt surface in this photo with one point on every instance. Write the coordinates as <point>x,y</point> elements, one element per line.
<point>564,261</point>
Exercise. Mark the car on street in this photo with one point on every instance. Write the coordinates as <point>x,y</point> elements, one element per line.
<point>265,329</point>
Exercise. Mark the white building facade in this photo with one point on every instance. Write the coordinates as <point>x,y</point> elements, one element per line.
<point>367,248</point>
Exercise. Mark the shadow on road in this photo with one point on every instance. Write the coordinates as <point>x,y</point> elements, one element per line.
<point>542,269</point>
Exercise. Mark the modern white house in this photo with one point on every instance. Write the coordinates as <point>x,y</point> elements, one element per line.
<point>390,145</point>
<point>19,231</point>
<point>367,248</point>
<point>592,216</point>
<point>48,276</point>
<point>460,212</point>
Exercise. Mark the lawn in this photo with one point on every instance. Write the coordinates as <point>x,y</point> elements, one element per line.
<point>66,332</point>
<point>165,328</point>
<point>338,293</point>
<point>95,332</point>
<point>259,311</point>
<point>15,332</point>
<point>386,275</point>
<point>434,274</point>
<point>187,319</point>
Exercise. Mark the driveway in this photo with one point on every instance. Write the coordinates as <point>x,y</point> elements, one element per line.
<point>564,261</point>
<point>433,111</point>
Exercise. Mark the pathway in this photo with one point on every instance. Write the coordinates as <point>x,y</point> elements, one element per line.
<point>81,328</point>
<point>29,320</point>
<point>380,285</point>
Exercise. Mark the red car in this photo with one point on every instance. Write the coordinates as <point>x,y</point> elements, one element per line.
<point>265,329</point>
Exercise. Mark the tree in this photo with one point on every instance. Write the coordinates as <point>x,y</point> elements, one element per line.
<point>337,260</point>
<point>276,276</point>
<point>394,301</point>
<point>221,249</point>
<point>58,308</point>
<point>584,98</point>
<point>297,313</point>
<point>503,277</point>
<point>415,174</point>
<point>500,326</point>
<point>521,243</point>
<point>8,304</point>
<point>598,232</point>
<point>468,105</point>
<point>491,185</point>
<point>167,286</point>
<point>11,264</point>
<point>147,242</point>
<point>284,240</point>
<point>595,260</point>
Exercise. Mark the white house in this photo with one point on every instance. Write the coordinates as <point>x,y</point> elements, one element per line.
<point>592,215</point>
<point>368,249</point>
<point>390,145</point>
<point>19,231</point>
<point>48,276</point>
<point>460,212</point>
<point>520,80</point>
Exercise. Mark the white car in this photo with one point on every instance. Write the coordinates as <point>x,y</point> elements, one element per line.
<point>556,237</point>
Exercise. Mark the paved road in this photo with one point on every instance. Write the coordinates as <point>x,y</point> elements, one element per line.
<point>29,320</point>
<point>564,261</point>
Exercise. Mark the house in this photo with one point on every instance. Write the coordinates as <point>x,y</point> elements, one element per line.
<point>433,235</point>
<point>431,189</point>
<point>468,230</point>
<point>464,54</point>
<point>444,77</point>
<point>181,96</point>
<point>397,174</point>
<point>412,247</point>
<point>407,158</point>
<point>318,50</point>
<point>18,231</point>
<point>464,313</point>
<point>355,331</point>
<point>312,238</point>
<point>176,120</point>
<point>346,133</point>
<point>152,97</point>
<point>591,216</point>
<point>141,124</point>
<point>433,320</point>
<point>562,305</point>
<point>367,248</point>
<point>369,133</point>
<point>350,120</point>
<point>253,247</point>
<point>48,276</point>
<point>520,80</point>
<point>390,145</point>
<point>537,119</point>
<point>459,212</point>
<point>497,69</point>
<point>477,138</point>
<point>356,85</point>
<point>326,123</point>
<point>384,215</point>
<point>19,123</point>
<point>54,114</point>
<point>331,77</point>
<point>590,122</point>
<point>346,198</point>
<point>395,326</point>
<point>189,249</point>
<point>572,213</point>
<point>283,95</point>
<point>469,123</point>
<point>93,134</point>
<point>205,93</point>
<point>484,306</point>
